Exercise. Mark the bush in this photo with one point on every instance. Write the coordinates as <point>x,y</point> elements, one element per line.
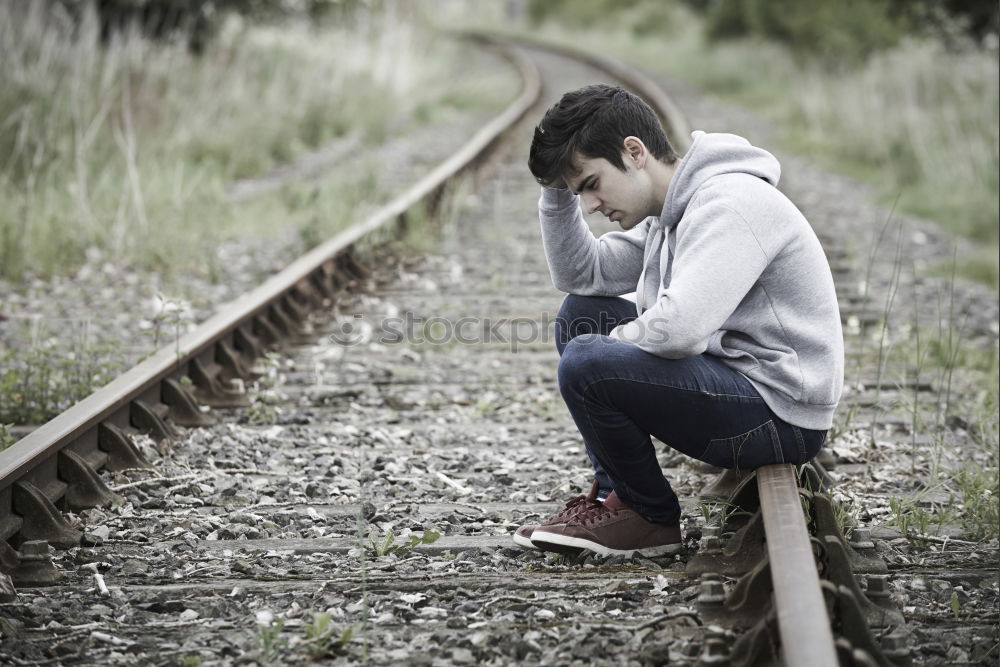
<point>850,30</point>
<point>832,31</point>
<point>641,17</point>
<point>194,20</point>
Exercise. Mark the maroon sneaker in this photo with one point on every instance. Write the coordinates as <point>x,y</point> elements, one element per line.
<point>610,528</point>
<point>522,536</point>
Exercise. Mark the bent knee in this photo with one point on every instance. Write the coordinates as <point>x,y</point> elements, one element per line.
<point>575,305</point>
<point>583,360</point>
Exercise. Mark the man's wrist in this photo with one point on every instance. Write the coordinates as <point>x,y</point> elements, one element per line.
<point>557,197</point>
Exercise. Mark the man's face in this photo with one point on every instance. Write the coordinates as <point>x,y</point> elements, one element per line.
<point>621,196</point>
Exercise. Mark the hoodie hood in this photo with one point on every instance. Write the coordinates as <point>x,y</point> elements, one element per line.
<point>712,155</point>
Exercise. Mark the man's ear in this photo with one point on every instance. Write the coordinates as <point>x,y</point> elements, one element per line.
<point>635,152</point>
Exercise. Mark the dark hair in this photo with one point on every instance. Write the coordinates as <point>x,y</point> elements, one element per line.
<point>593,121</point>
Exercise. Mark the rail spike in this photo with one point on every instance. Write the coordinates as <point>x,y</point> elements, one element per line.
<point>742,551</point>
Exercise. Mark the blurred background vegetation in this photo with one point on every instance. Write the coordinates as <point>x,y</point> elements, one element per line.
<point>123,121</point>
<point>902,94</point>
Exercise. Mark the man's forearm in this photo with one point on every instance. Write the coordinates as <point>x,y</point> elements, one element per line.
<point>579,263</point>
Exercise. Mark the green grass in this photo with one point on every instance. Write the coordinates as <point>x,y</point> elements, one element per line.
<point>129,148</point>
<point>41,381</point>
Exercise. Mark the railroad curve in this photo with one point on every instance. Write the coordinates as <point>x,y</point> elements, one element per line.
<point>259,526</point>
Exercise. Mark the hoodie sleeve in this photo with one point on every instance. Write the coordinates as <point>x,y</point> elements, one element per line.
<point>717,261</point>
<point>580,263</point>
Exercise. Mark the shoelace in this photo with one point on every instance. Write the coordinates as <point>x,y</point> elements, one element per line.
<point>573,506</point>
<point>593,513</point>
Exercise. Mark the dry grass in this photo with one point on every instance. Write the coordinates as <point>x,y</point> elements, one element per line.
<point>918,122</point>
<point>128,148</point>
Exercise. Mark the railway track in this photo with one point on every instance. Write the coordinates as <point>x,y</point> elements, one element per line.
<point>371,483</point>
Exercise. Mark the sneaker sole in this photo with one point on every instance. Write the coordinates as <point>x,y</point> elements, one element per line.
<point>524,542</point>
<point>556,542</point>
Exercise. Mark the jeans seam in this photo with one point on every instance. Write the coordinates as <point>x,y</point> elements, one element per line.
<point>669,386</point>
<point>779,454</point>
<point>742,438</point>
<point>799,441</point>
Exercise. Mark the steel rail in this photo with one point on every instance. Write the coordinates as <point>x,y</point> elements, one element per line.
<point>805,630</point>
<point>806,635</point>
<point>803,622</point>
<point>31,458</point>
<point>670,113</point>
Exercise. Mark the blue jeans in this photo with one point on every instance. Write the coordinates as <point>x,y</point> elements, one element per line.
<point>619,396</point>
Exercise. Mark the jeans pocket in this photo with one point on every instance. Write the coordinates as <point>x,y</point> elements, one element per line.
<point>757,447</point>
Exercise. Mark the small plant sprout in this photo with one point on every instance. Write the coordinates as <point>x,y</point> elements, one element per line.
<point>261,412</point>
<point>269,635</point>
<point>383,545</point>
<point>323,639</point>
<point>171,314</point>
<point>6,439</point>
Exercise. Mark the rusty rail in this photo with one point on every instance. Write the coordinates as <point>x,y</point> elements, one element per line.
<point>57,463</point>
<point>673,116</point>
<point>807,639</point>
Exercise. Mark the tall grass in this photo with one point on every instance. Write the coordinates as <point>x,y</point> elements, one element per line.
<point>128,147</point>
<point>918,121</point>
<point>923,120</point>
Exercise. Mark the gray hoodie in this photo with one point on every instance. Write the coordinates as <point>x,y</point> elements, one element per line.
<point>731,268</point>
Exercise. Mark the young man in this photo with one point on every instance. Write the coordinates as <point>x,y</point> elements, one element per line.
<point>733,352</point>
